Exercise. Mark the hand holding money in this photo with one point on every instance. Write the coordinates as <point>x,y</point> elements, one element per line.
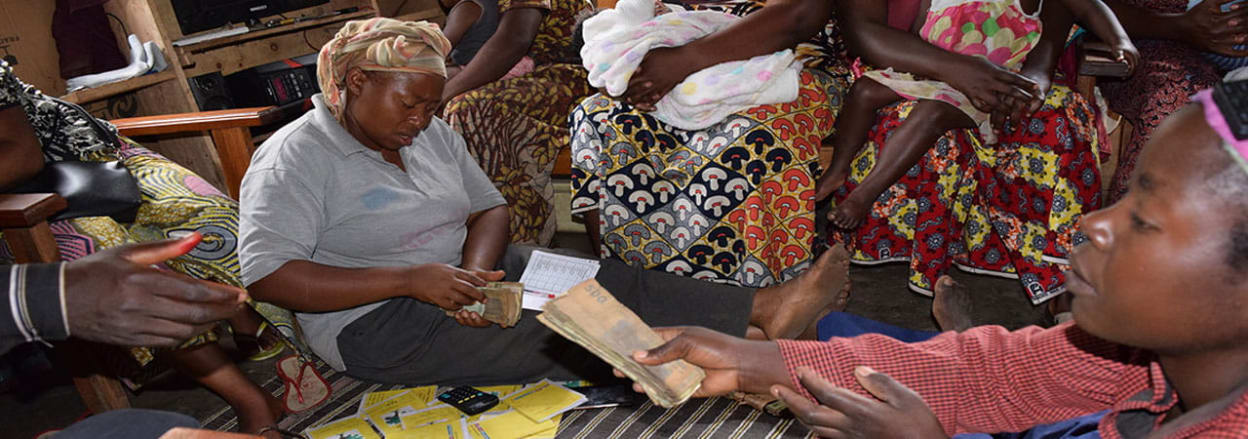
<point>589,316</point>
<point>502,303</point>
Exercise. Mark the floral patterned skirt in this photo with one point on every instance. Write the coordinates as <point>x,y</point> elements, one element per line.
<point>514,128</point>
<point>1009,209</point>
<point>733,203</point>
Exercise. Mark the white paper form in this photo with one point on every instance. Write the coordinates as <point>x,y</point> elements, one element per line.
<point>548,275</point>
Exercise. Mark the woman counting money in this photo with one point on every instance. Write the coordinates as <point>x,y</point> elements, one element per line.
<point>368,218</point>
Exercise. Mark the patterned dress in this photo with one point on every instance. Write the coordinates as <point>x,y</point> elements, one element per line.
<point>174,200</point>
<point>516,126</point>
<point>1008,209</point>
<point>733,203</point>
<point>996,30</point>
<point>1168,75</point>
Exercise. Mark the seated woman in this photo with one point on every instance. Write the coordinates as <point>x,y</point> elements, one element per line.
<point>1173,66</point>
<point>368,217</point>
<point>958,26</point>
<point>732,203</point>
<point>36,129</point>
<point>515,126</point>
<point>1008,208</point>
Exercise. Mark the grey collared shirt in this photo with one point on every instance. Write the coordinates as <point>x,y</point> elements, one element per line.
<point>314,193</point>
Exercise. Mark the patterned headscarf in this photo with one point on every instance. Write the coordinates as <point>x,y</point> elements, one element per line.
<point>381,45</point>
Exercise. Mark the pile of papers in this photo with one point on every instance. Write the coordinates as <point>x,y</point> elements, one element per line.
<point>529,412</point>
<point>590,316</point>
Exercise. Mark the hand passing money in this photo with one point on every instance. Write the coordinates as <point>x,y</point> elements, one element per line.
<point>589,316</point>
<point>502,303</point>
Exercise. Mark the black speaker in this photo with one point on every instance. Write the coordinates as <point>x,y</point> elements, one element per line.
<point>210,92</point>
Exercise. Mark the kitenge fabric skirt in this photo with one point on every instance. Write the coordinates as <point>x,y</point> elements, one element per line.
<point>733,203</point>
<point>1009,209</point>
<point>514,128</point>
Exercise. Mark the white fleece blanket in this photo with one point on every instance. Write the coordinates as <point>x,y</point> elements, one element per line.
<point>616,40</point>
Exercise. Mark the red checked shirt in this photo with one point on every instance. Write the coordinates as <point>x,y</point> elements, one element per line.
<point>989,380</point>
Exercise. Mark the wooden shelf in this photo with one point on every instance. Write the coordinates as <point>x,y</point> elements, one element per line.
<point>255,34</point>
<point>116,88</point>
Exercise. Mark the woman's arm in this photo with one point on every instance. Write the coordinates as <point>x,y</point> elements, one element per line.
<point>990,87</point>
<point>20,155</point>
<point>1101,21</point>
<point>781,24</point>
<point>487,239</point>
<point>462,16</point>
<point>516,31</point>
<point>311,287</point>
<point>1042,60</point>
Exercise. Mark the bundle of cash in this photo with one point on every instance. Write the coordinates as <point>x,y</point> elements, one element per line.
<point>589,316</point>
<point>502,304</point>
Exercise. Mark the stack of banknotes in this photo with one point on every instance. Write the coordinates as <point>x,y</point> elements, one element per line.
<point>590,316</point>
<point>502,303</point>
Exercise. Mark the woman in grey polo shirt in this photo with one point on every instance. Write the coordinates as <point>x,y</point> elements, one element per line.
<point>368,218</point>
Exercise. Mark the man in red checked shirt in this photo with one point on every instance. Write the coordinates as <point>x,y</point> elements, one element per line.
<point>1159,339</point>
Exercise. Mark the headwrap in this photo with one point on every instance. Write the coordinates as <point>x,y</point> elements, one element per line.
<point>379,45</point>
<point>1238,148</point>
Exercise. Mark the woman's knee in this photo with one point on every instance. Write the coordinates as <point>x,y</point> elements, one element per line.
<point>868,93</point>
<point>939,116</point>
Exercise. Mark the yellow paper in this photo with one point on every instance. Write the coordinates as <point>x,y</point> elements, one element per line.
<point>353,427</point>
<point>424,395</point>
<point>548,433</point>
<point>510,425</point>
<point>545,400</point>
<point>430,416</point>
<point>374,398</point>
<point>448,430</point>
<point>388,415</point>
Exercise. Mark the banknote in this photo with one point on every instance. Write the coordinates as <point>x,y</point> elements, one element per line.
<point>502,304</point>
<point>591,317</point>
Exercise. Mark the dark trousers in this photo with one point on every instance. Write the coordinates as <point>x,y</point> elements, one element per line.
<point>407,341</point>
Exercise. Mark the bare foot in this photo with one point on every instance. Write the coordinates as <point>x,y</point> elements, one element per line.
<point>951,305</point>
<point>850,212</point>
<point>829,182</point>
<point>789,309</point>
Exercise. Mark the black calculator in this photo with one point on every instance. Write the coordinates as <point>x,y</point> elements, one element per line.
<point>1232,99</point>
<point>468,400</point>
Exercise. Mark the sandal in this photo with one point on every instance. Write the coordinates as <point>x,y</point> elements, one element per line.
<point>262,346</point>
<point>303,390</point>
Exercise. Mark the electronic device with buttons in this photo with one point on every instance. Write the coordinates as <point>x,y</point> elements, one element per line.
<point>468,399</point>
<point>275,83</point>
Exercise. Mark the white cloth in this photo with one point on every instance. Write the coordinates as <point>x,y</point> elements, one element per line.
<point>144,57</point>
<point>616,41</point>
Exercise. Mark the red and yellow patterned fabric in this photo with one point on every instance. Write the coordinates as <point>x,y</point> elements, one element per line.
<point>733,203</point>
<point>1008,209</point>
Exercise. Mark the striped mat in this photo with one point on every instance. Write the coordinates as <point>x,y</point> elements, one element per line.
<point>712,418</point>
